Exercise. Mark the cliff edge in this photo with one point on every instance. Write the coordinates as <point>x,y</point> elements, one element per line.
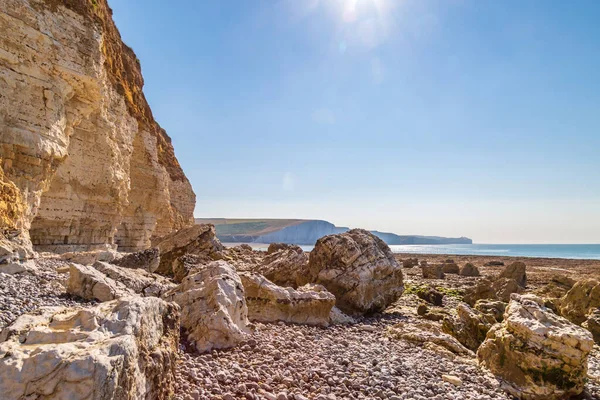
<point>83,163</point>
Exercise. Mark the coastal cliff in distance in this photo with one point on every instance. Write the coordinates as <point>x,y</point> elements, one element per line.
<point>83,164</point>
<point>303,232</point>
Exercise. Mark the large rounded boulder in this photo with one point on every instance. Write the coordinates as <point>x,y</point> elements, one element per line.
<point>358,268</point>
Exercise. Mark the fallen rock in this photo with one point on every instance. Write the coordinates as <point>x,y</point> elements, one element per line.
<point>592,324</point>
<point>358,268</point>
<point>185,265</point>
<point>492,307</point>
<point>91,284</point>
<point>427,332</point>
<point>430,295</point>
<point>16,253</point>
<point>123,349</point>
<point>483,290</point>
<point>435,271</point>
<point>504,287</point>
<point>89,257</point>
<point>450,267</point>
<point>213,307</point>
<point>537,354</point>
<point>583,298</point>
<point>337,317</point>
<point>285,265</point>
<point>410,262</point>
<point>138,280</point>
<point>469,326</point>
<point>469,270</point>
<point>455,380</point>
<point>494,264</point>
<point>267,302</point>
<point>275,247</point>
<point>148,260</point>
<point>516,271</point>
<point>197,239</point>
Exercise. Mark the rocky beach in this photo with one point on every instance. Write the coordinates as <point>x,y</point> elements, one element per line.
<point>419,345</point>
<point>109,289</point>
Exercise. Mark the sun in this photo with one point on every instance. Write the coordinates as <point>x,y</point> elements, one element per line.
<point>353,10</point>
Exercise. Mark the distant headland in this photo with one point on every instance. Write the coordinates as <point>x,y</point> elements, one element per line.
<point>303,232</point>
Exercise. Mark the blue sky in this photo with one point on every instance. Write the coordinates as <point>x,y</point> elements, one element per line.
<point>459,117</point>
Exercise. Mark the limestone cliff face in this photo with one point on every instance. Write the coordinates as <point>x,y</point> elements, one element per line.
<point>83,164</point>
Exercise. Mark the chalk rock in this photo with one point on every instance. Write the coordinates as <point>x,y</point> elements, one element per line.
<point>285,265</point>
<point>83,163</point>
<point>583,298</point>
<point>213,306</point>
<point>267,302</point>
<point>91,284</point>
<point>89,257</point>
<point>537,354</point>
<point>120,350</point>
<point>427,332</point>
<point>358,268</point>
<point>138,280</point>
<point>198,240</point>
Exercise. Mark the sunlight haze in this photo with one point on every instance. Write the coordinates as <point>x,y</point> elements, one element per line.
<point>451,118</point>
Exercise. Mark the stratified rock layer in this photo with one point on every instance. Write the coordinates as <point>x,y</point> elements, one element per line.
<point>359,269</point>
<point>267,302</point>
<point>83,164</point>
<point>538,354</point>
<point>119,350</point>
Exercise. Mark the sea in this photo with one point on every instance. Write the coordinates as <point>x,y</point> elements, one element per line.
<point>576,251</point>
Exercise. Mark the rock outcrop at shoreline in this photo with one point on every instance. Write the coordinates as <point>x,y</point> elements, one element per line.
<point>83,164</point>
<point>359,269</point>
<point>539,355</point>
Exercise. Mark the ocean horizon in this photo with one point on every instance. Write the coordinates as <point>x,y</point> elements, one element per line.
<point>573,251</point>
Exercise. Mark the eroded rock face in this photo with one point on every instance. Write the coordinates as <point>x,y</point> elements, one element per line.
<point>91,284</point>
<point>469,326</point>
<point>537,354</point>
<point>267,302</point>
<point>139,281</point>
<point>583,298</point>
<point>358,268</point>
<point>199,240</point>
<point>121,350</point>
<point>516,271</point>
<point>213,306</point>
<point>83,164</point>
<point>285,265</point>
